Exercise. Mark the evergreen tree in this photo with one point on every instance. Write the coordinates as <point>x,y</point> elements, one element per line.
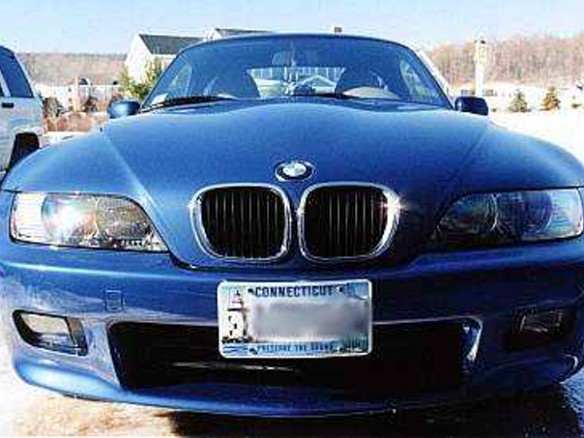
<point>153,71</point>
<point>519,104</point>
<point>139,90</point>
<point>551,101</point>
<point>126,82</point>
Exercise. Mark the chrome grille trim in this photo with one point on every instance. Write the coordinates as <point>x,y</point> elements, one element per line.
<point>385,241</point>
<point>195,208</point>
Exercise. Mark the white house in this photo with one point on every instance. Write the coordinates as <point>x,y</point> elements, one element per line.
<point>218,33</point>
<point>145,48</point>
<point>77,92</point>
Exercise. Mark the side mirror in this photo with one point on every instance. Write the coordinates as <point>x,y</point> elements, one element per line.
<point>123,108</point>
<point>471,104</point>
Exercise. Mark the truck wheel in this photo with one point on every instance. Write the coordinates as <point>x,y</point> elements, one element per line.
<point>25,144</point>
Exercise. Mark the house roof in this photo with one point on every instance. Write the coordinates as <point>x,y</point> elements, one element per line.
<point>227,32</point>
<point>166,44</point>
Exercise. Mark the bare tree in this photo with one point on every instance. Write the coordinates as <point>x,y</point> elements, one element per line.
<point>539,60</point>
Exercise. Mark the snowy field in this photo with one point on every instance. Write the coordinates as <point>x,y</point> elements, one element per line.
<point>57,136</point>
<point>565,128</point>
<point>27,410</point>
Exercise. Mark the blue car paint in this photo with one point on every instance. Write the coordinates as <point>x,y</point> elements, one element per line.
<point>489,289</point>
<point>161,160</point>
<point>430,156</point>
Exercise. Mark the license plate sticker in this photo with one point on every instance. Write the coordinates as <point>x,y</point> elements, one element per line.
<point>295,320</point>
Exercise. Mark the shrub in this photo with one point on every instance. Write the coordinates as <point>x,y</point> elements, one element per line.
<point>90,104</point>
<point>51,108</point>
<point>551,101</point>
<point>519,104</point>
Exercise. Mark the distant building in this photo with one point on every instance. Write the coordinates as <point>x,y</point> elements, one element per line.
<point>74,95</point>
<point>145,48</point>
<point>218,33</point>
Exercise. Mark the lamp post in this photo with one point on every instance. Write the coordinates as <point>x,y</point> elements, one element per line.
<point>481,59</point>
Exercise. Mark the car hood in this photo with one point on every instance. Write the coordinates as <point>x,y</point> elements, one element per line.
<point>428,156</point>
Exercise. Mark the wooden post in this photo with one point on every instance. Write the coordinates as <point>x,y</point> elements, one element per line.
<point>75,97</point>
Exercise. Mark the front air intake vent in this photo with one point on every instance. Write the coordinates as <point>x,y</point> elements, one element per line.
<point>347,221</point>
<point>248,223</point>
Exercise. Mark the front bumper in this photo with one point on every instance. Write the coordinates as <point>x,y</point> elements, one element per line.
<point>487,289</point>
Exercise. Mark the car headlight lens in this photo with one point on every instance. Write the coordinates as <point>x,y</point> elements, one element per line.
<point>507,218</point>
<point>87,221</point>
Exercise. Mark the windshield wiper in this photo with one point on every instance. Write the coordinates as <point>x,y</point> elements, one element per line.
<point>348,96</point>
<point>186,100</point>
<point>329,95</point>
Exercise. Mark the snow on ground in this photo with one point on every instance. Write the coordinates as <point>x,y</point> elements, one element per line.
<point>31,411</point>
<point>26,410</point>
<point>15,396</point>
<point>565,128</point>
<point>57,136</point>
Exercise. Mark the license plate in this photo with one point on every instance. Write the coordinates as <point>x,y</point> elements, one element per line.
<point>295,319</point>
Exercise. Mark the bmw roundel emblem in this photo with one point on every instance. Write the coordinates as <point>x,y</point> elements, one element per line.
<point>294,170</point>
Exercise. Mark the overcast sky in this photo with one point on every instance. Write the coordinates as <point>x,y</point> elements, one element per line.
<point>108,25</point>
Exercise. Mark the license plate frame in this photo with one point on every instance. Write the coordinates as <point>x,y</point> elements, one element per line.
<point>250,315</point>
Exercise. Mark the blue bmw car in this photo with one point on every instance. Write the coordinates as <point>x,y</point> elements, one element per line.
<point>294,225</point>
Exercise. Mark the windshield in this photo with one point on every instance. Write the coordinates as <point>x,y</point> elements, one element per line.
<point>289,66</point>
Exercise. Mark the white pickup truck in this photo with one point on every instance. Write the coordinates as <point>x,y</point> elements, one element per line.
<point>21,124</point>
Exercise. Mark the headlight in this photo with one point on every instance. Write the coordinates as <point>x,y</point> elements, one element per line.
<point>507,218</point>
<point>85,221</point>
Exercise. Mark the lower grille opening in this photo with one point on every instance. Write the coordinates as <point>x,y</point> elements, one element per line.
<point>407,360</point>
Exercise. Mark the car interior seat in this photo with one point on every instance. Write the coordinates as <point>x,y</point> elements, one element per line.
<point>356,78</point>
<point>238,84</point>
